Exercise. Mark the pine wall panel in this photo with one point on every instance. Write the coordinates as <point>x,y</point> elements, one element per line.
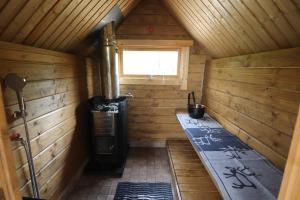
<point>58,85</point>
<point>153,108</point>
<point>257,97</point>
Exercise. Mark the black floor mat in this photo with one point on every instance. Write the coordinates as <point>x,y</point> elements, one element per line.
<point>144,191</point>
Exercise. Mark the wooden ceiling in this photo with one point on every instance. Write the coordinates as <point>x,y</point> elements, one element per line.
<point>54,24</point>
<point>237,27</point>
<point>224,27</point>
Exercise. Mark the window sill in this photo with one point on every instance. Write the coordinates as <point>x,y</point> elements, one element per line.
<point>134,81</point>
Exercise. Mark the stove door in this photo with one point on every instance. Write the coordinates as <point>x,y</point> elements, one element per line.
<point>104,123</point>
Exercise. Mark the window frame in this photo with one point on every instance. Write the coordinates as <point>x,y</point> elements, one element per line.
<point>150,49</point>
<point>182,46</point>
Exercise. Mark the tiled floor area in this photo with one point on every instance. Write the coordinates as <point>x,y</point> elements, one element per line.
<point>143,165</point>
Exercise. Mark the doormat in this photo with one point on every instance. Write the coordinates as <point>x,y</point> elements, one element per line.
<point>143,191</point>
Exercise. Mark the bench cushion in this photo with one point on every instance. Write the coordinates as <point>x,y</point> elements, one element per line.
<point>238,170</point>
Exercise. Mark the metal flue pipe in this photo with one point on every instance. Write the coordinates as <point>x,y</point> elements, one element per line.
<point>109,66</point>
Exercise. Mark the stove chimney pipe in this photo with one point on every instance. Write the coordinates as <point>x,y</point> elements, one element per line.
<point>109,63</point>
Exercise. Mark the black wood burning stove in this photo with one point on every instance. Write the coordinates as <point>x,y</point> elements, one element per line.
<point>108,113</point>
<point>108,139</point>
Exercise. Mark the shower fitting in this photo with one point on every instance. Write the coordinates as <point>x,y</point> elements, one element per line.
<point>17,83</point>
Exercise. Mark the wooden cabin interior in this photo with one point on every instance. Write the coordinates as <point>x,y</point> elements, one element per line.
<point>97,99</point>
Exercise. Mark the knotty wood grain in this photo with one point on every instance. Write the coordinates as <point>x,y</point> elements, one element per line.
<point>56,89</point>
<point>257,97</point>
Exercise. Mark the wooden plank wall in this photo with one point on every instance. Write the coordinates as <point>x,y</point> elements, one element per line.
<point>58,85</point>
<point>54,24</point>
<point>231,27</point>
<point>291,177</point>
<point>152,110</point>
<point>257,97</point>
<point>9,188</point>
<point>151,20</point>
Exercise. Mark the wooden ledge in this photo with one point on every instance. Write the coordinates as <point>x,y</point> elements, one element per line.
<point>191,179</point>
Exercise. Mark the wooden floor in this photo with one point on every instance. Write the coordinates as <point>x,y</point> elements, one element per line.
<point>191,178</point>
<point>143,165</point>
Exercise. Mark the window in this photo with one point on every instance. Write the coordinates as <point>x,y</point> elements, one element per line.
<point>159,62</point>
<point>150,62</point>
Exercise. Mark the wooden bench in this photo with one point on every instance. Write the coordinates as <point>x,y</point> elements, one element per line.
<point>190,176</point>
<point>237,170</point>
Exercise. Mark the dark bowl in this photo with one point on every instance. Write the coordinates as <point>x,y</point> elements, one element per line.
<point>196,111</point>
